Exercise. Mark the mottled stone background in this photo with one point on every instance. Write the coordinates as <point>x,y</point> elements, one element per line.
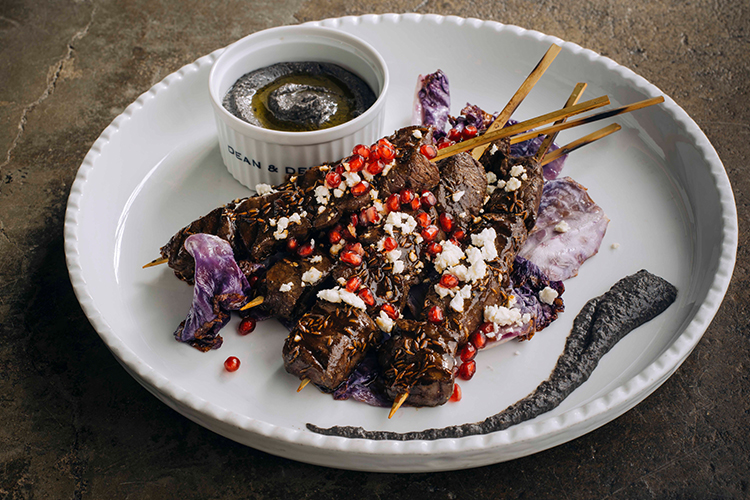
<point>74,424</point>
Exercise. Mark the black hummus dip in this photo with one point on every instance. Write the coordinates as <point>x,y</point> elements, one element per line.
<point>602,322</point>
<point>299,96</point>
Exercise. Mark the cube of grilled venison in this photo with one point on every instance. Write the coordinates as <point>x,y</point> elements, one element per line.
<point>328,342</point>
<point>463,186</point>
<point>288,288</point>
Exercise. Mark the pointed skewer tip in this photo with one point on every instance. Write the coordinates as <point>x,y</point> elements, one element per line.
<point>255,302</point>
<point>397,403</point>
<point>156,262</point>
<point>302,384</point>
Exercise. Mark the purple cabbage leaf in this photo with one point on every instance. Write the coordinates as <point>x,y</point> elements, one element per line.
<point>569,229</point>
<point>432,102</point>
<point>220,287</point>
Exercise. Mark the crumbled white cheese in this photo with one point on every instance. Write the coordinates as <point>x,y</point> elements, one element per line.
<point>367,175</point>
<point>388,168</point>
<point>338,294</point>
<point>442,291</point>
<point>398,267</point>
<point>351,178</point>
<point>322,195</point>
<point>486,241</point>
<point>405,222</point>
<point>272,222</point>
<point>335,249</point>
<point>457,196</point>
<point>491,177</point>
<point>460,271</point>
<point>312,276</point>
<point>413,256</point>
<point>457,303</point>
<point>264,189</point>
<point>517,353</point>
<point>374,194</point>
<point>490,189</point>
<point>517,170</point>
<point>393,255</point>
<point>281,232</point>
<point>417,134</point>
<point>295,218</point>
<point>321,209</point>
<point>286,287</point>
<point>524,177</point>
<point>493,149</point>
<point>548,295</point>
<point>384,322</point>
<point>501,316</point>
<point>297,338</point>
<point>418,238</point>
<point>615,246</point>
<point>342,281</point>
<point>562,227</point>
<point>501,184</point>
<point>511,185</point>
<point>451,255</point>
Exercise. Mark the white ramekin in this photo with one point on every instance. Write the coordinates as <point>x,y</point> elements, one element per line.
<point>257,155</point>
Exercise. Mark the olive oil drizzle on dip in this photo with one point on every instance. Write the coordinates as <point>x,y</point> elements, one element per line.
<point>299,96</point>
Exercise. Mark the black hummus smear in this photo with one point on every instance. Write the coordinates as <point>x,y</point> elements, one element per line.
<point>299,96</point>
<point>602,322</point>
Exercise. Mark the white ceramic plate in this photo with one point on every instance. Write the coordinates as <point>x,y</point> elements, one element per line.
<point>157,167</point>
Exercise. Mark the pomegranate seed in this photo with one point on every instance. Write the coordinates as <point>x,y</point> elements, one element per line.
<point>351,258</point>
<point>423,219</point>
<point>356,163</point>
<point>459,235</point>
<point>435,315</point>
<point>375,167</point>
<point>353,284</point>
<point>478,339</point>
<point>389,244</point>
<point>467,370</point>
<point>333,179</point>
<point>454,134</point>
<point>386,152</point>
<point>247,325</point>
<point>415,203</point>
<point>444,143</point>
<point>361,150</point>
<point>428,150</point>
<point>355,220</point>
<point>306,250</point>
<point>252,280</point>
<point>468,352</point>
<point>291,244</point>
<point>361,188</point>
<point>367,296</point>
<point>340,169</point>
<point>385,142</point>
<point>428,199</point>
<point>371,215</point>
<point>446,222</point>
<point>390,311</point>
<point>232,364</point>
<point>456,396</point>
<point>406,196</point>
<point>334,235</point>
<point>374,153</point>
<point>356,248</point>
<point>487,327</point>
<point>430,232</point>
<point>393,204</point>
<point>469,132</point>
<point>434,248</point>
<point>448,281</point>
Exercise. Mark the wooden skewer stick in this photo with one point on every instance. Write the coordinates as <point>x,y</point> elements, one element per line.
<point>397,403</point>
<point>302,384</point>
<point>586,119</point>
<point>519,96</point>
<point>156,262</point>
<point>255,302</point>
<point>573,99</point>
<point>587,139</point>
<point>488,137</point>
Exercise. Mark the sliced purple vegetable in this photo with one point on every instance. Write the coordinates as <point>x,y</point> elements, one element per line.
<point>220,287</point>
<point>432,102</point>
<point>362,384</point>
<point>569,229</point>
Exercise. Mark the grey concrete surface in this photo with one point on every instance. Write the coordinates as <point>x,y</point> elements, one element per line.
<point>74,424</point>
